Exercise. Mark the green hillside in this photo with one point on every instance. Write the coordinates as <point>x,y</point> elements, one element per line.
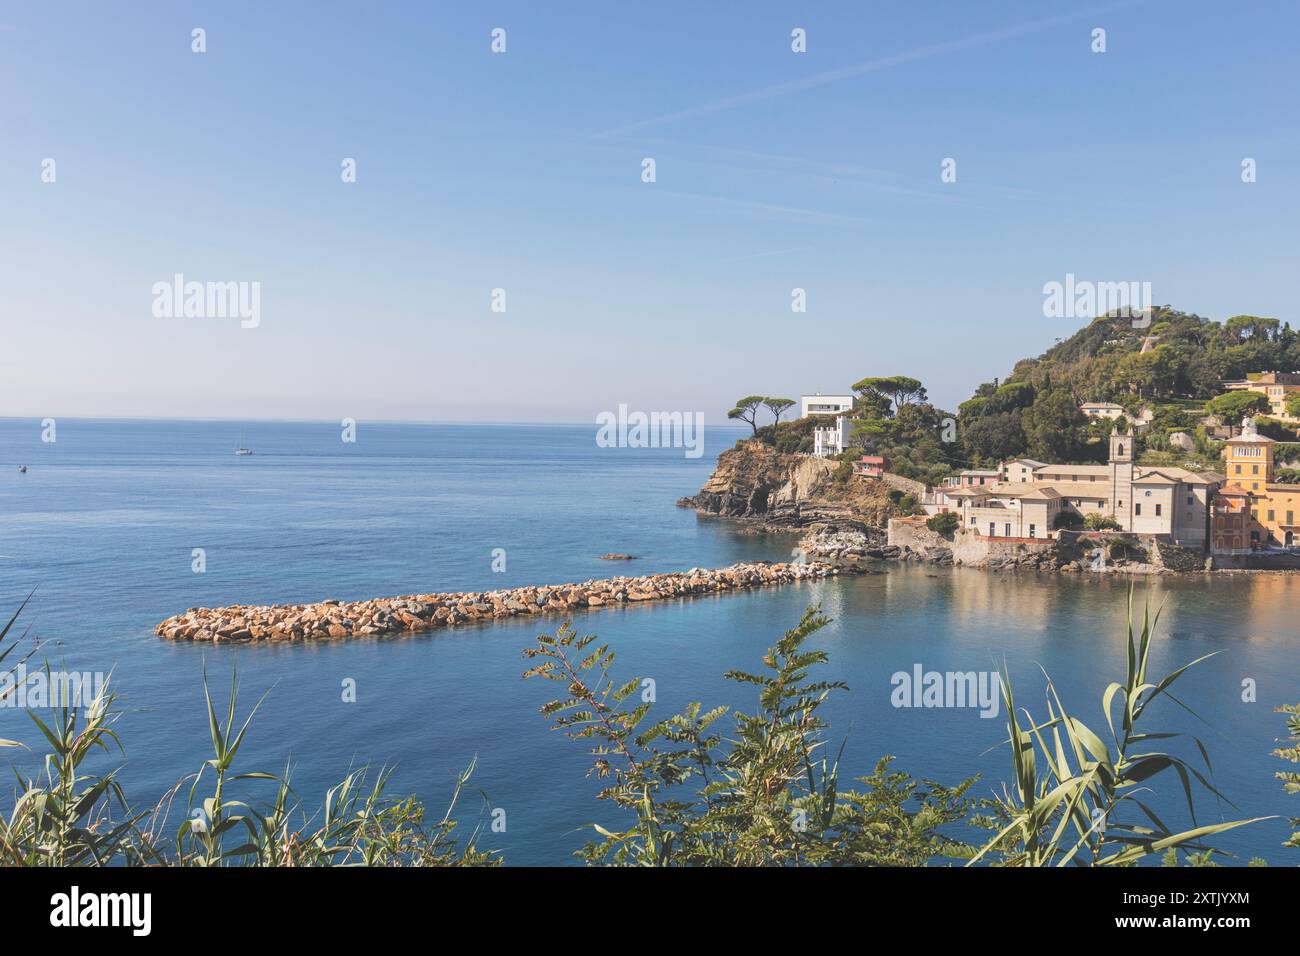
<point>1034,411</point>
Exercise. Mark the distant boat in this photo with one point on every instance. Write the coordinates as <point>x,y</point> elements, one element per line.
<point>22,469</point>
<point>241,450</point>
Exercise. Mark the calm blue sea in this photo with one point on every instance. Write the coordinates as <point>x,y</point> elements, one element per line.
<point>104,523</point>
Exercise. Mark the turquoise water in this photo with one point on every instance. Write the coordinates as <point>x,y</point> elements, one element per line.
<point>104,523</point>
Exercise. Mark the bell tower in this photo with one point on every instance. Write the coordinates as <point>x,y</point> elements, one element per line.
<point>1121,477</point>
<point>1250,458</point>
<point>1121,447</point>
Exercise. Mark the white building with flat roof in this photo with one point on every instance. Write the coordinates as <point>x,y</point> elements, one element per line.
<point>828,438</point>
<point>820,404</point>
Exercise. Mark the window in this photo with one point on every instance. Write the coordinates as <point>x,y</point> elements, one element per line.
<point>1239,469</point>
<point>1031,532</point>
<point>1191,500</point>
<point>1290,519</point>
<point>1006,530</point>
<point>972,519</point>
<point>993,530</point>
<point>1270,514</point>
<point>1137,509</point>
<point>1102,504</point>
<point>1157,511</point>
<point>1254,469</point>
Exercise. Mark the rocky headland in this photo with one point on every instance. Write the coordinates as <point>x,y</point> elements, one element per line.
<point>770,491</point>
<point>335,620</point>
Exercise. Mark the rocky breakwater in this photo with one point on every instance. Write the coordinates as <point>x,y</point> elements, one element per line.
<point>781,492</point>
<point>335,620</point>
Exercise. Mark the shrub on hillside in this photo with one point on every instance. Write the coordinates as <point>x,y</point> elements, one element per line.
<point>944,523</point>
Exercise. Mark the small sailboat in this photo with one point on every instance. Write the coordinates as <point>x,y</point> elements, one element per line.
<point>22,469</point>
<point>243,449</point>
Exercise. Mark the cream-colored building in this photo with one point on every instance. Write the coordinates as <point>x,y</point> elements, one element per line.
<point>1020,470</point>
<point>1102,410</point>
<point>1168,501</point>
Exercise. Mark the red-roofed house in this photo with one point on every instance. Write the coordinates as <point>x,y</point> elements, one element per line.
<point>871,466</point>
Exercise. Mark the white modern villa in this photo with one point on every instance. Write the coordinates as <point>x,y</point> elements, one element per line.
<point>828,439</point>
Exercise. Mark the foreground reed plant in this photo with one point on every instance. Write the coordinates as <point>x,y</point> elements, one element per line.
<point>1084,807</point>
<point>1290,778</point>
<point>71,816</point>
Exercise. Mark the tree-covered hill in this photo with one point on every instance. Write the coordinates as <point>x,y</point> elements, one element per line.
<point>1189,357</point>
<point>1174,367</point>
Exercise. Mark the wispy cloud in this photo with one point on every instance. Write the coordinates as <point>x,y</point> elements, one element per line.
<point>763,207</point>
<point>861,69</point>
<point>766,255</point>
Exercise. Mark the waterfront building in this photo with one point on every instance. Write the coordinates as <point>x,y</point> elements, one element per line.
<point>1231,521</point>
<point>1272,508</point>
<point>1030,497</point>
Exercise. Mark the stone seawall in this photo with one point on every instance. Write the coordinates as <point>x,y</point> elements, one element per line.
<point>333,620</point>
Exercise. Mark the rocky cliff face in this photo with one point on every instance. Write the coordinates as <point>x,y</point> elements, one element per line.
<point>785,492</point>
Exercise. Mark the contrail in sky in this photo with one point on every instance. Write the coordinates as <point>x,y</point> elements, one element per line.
<point>848,72</point>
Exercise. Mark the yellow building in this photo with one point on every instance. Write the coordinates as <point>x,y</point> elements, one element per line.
<point>1277,387</point>
<point>1274,508</point>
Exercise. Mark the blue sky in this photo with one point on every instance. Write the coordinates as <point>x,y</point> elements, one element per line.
<point>775,170</point>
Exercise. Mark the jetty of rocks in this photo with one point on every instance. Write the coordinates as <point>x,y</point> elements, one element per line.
<point>335,620</point>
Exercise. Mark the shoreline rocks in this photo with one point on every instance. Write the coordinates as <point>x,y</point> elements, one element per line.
<point>770,491</point>
<point>335,620</point>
